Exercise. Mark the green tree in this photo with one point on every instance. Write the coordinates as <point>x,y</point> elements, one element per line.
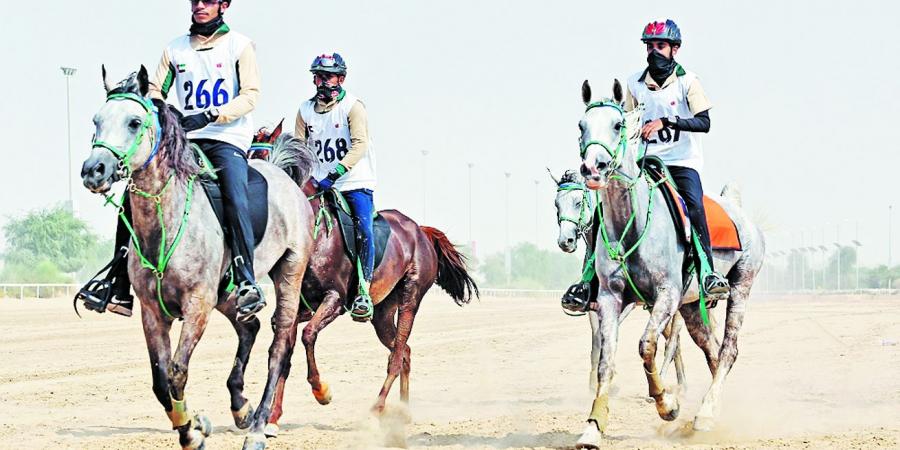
<point>532,268</point>
<point>44,245</point>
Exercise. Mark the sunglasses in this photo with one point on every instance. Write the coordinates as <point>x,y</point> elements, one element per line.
<point>205,2</point>
<point>657,45</point>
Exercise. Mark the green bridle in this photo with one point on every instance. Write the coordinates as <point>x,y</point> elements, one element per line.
<point>619,151</point>
<point>124,157</point>
<point>151,119</point>
<point>585,213</point>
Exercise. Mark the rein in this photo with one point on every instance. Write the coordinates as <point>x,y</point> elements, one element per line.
<point>124,157</point>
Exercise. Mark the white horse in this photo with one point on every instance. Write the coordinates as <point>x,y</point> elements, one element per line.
<point>643,259</point>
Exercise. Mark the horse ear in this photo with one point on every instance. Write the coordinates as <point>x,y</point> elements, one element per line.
<point>277,132</point>
<point>143,81</point>
<point>586,92</point>
<point>618,95</point>
<point>105,83</point>
<point>552,177</point>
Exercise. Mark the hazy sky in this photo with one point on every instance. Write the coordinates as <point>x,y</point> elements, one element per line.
<point>804,118</point>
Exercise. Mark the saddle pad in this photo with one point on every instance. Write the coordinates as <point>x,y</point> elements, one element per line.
<point>723,233</point>
<point>380,227</point>
<point>258,196</point>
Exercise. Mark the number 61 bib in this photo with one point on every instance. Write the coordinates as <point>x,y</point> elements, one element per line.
<point>328,134</point>
<point>209,79</point>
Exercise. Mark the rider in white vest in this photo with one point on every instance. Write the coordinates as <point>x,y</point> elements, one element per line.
<point>335,124</point>
<point>676,112</point>
<point>216,81</point>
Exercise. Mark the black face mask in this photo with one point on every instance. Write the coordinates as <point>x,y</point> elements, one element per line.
<point>659,66</point>
<point>327,92</point>
<point>208,28</point>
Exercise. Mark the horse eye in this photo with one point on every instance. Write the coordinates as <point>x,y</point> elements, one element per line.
<point>134,123</point>
<point>618,126</point>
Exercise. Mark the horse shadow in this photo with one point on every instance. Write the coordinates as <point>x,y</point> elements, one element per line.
<point>105,431</point>
<point>553,439</point>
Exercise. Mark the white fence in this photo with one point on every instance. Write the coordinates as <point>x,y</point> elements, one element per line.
<point>38,290</point>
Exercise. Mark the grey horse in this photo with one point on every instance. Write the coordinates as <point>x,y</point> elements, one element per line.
<point>178,257</point>
<point>575,211</point>
<point>653,265</point>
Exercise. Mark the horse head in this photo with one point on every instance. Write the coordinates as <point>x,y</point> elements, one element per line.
<point>574,210</point>
<point>604,130</point>
<point>126,135</point>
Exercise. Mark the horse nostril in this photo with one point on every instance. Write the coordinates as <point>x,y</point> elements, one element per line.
<point>585,171</point>
<point>99,169</point>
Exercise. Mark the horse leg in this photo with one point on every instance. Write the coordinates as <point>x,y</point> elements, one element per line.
<point>406,296</point>
<point>328,310</point>
<point>704,336</point>
<point>288,277</point>
<point>606,338</point>
<point>156,333</point>
<point>191,432</point>
<point>673,350</point>
<point>737,304</point>
<point>241,409</point>
<point>595,350</point>
<point>666,303</point>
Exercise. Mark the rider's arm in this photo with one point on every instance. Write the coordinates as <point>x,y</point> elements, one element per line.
<point>359,135</point>
<point>700,106</point>
<point>162,81</point>
<point>248,76</point>
<point>300,127</point>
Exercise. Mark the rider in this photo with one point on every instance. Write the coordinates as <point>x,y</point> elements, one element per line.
<point>676,111</point>
<point>217,84</point>
<point>335,123</point>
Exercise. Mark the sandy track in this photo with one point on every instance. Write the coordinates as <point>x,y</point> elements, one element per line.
<point>500,373</point>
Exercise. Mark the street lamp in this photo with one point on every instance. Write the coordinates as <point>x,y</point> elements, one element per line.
<point>536,235</point>
<point>424,186</point>
<point>508,250</point>
<point>68,72</point>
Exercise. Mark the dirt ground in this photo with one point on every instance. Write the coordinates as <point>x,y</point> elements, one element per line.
<point>500,373</point>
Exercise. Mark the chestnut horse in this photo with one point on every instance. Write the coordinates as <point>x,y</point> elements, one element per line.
<point>415,257</point>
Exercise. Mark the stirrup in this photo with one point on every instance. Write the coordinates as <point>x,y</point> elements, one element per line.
<point>714,283</point>
<point>575,301</point>
<point>250,300</point>
<point>98,296</point>
<point>362,308</point>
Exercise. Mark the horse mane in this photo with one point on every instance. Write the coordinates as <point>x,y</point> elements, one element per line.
<point>633,124</point>
<point>294,156</point>
<point>571,176</point>
<point>173,145</point>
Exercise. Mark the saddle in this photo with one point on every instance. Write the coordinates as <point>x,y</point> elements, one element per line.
<point>723,233</point>
<point>381,228</point>
<point>257,191</point>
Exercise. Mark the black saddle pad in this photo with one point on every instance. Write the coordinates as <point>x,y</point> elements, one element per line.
<point>258,196</point>
<point>381,229</point>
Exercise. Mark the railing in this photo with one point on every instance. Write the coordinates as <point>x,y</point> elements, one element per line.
<point>44,290</point>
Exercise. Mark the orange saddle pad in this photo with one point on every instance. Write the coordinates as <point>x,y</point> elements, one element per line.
<point>723,234</point>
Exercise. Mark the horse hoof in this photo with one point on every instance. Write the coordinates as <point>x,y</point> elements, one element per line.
<point>703,423</point>
<point>590,438</point>
<point>244,416</point>
<point>322,395</point>
<point>255,441</point>
<point>195,441</point>
<point>203,425</point>
<point>667,407</point>
<point>271,430</point>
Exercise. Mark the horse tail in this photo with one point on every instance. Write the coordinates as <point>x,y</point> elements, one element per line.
<point>452,275</point>
<point>292,155</point>
<point>732,192</point>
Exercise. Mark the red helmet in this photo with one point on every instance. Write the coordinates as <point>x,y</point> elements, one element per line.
<point>662,31</point>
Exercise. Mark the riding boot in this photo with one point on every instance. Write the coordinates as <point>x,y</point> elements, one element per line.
<point>112,292</point>
<point>230,163</point>
<point>362,207</point>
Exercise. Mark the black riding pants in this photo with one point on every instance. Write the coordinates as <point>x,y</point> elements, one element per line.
<point>231,167</point>
<point>687,181</point>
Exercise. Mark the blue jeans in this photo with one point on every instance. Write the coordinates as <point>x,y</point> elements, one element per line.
<point>362,207</point>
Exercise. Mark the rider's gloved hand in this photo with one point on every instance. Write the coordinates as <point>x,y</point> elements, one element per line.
<point>198,121</point>
<point>328,182</point>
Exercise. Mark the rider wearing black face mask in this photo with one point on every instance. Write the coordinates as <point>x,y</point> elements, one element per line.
<point>214,78</point>
<point>676,111</point>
